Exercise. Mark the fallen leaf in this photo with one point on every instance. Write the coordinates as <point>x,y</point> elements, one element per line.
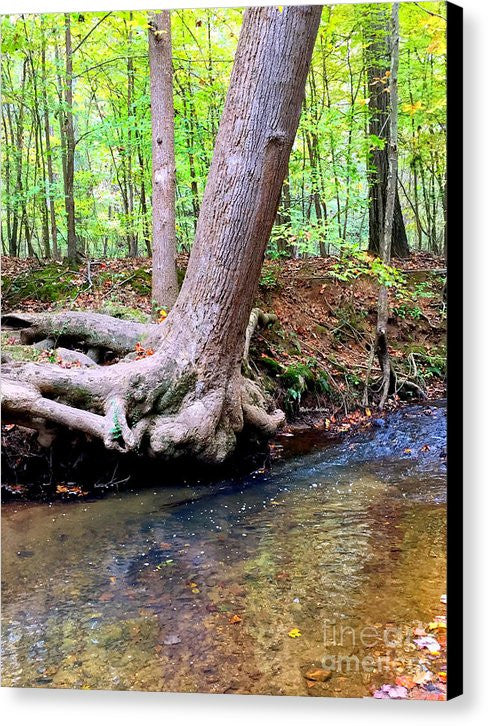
<point>106,596</point>
<point>405,681</point>
<point>428,642</point>
<point>436,625</point>
<point>423,676</point>
<point>388,691</point>
<point>294,633</point>
<point>235,619</point>
<point>318,674</point>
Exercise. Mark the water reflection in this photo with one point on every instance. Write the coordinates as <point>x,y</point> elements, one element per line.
<point>140,590</point>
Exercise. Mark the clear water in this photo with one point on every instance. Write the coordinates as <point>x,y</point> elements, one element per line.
<point>138,590</point>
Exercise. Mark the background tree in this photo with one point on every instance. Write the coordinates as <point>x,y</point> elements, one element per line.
<point>164,280</point>
<point>380,106</point>
<point>388,226</point>
<point>69,137</point>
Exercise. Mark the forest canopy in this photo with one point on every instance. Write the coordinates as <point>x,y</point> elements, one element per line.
<point>324,200</point>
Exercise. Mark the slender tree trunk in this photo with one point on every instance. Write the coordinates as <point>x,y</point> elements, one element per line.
<point>379,126</point>
<point>131,234</point>
<point>49,159</point>
<point>143,196</point>
<point>333,153</point>
<point>164,280</point>
<point>17,140</point>
<point>62,125</point>
<point>389,219</point>
<point>190,397</point>
<point>8,213</point>
<point>70,143</point>
<point>188,111</point>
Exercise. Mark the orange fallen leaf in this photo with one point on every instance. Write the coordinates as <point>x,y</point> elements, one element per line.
<point>436,625</point>
<point>405,681</point>
<point>235,619</point>
<point>106,596</point>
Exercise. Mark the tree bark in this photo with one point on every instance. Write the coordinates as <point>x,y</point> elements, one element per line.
<point>381,342</point>
<point>131,234</point>
<point>70,144</point>
<point>379,126</point>
<point>164,280</point>
<point>47,134</point>
<point>189,397</point>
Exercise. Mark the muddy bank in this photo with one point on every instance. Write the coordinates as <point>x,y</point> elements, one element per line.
<point>72,470</point>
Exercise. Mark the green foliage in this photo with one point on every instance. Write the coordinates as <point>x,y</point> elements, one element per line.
<point>430,364</point>
<point>49,283</point>
<point>116,430</point>
<point>325,196</point>
<point>405,311</point>
<point>355,262</point>
<point>299,378</point>
<point>269,277</point>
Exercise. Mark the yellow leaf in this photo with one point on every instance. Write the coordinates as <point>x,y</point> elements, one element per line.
<point>437,625</point>
<point>294,633</point>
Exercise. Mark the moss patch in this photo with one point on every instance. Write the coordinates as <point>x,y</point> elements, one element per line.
<point>50,283</point>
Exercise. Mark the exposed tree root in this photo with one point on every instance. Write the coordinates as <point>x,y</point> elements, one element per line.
<point>92,330</point>
<point>258,318</point>
<point>158,406</point>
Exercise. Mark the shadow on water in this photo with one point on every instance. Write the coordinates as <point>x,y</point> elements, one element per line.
<point>139,590</point>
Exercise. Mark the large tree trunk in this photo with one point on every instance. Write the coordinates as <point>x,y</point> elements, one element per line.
<point>164,280</point>
<point>190,397</point>
<point>379,126</point>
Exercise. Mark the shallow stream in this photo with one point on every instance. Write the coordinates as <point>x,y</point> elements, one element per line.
<point>324,560</point>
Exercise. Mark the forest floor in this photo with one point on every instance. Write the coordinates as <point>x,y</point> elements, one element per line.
<point>313,360</point>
